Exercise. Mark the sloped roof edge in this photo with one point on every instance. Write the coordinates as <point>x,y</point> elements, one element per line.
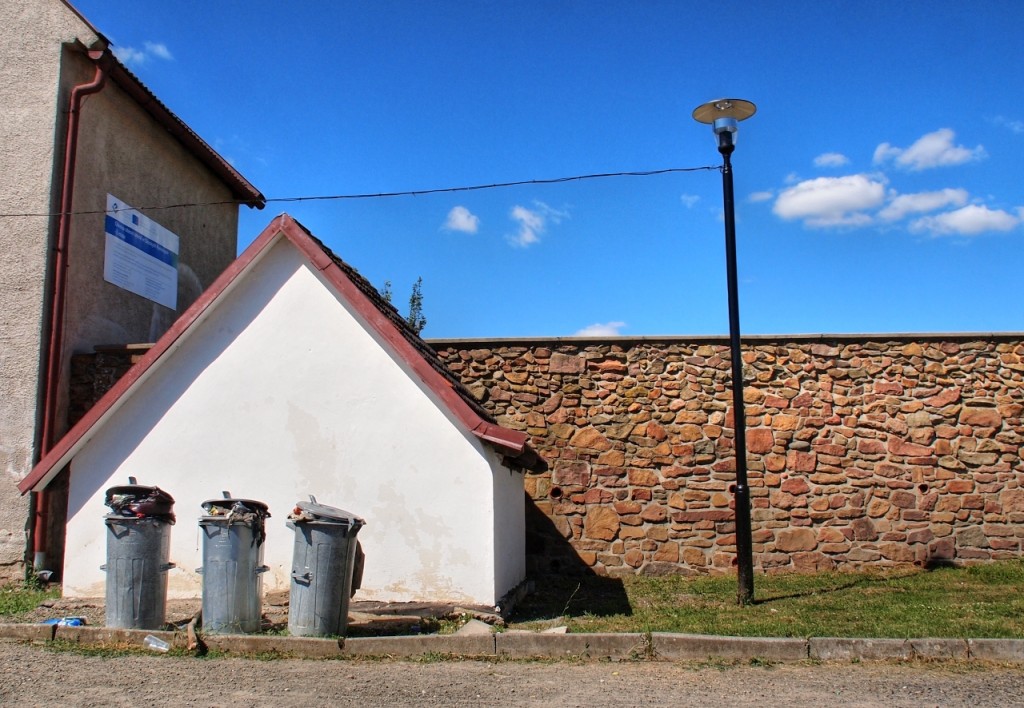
<point>509,442</point>
<point>241,188</point>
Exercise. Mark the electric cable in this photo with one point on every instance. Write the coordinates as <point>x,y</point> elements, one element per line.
<point>381,195</point>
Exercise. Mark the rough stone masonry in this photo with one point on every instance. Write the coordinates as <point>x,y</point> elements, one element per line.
<point>861,450</point>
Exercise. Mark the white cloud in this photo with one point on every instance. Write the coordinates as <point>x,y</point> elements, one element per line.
<point>831,201</point>
<point>904,204</point>
<point>608,329</point>
<point>970,220</point>
<point>831,159</point>
<point>931,150</point>
<point>533,222</point>
<point>689,200</point>
<point>761,196</point>
<point>130,56</point>
<point>462,219</point>
<point>158,50</point>
<point>1016,126</point>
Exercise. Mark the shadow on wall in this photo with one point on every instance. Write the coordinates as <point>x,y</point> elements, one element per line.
<point>563,584</point>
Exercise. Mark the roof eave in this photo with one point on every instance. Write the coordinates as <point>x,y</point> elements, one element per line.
<point>241,189</point>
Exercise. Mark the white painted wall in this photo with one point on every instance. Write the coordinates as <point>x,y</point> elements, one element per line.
<point>280,393</point>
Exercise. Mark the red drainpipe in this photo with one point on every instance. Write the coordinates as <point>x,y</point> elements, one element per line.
<point>60,267</point>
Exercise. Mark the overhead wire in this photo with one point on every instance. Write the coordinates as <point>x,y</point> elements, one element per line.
<point>381,195</point>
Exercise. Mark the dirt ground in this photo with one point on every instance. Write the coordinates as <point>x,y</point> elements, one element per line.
<point>36,676</point>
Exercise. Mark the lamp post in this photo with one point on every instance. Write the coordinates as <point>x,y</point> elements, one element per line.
<point>724,116</point>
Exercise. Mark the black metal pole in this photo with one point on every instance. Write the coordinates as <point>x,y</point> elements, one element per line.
<point>744,550</point>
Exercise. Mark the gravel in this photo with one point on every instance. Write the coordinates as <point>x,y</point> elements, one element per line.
<point>32,675</point>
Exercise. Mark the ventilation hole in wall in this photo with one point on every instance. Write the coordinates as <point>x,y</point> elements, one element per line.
<point>735,561</point>
<point>732,489</point>
<point>922,488</point>
<point>555,493</point>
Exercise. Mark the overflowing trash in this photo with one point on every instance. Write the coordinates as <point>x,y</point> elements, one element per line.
<point>240,511</point>
<point>136,501</point>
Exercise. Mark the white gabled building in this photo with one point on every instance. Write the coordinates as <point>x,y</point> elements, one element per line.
<point>291,376</point>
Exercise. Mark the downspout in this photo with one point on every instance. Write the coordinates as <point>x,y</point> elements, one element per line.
<point>60,267</point>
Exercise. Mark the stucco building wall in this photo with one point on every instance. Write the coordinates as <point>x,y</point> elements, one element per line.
<point>33,95</point>
<point>122,150</point>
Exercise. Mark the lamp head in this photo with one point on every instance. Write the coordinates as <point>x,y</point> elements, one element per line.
<point>724,116</point>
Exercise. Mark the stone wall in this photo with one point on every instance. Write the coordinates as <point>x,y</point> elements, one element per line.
<point>861,450</point>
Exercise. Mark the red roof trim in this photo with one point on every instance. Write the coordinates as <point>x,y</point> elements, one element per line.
<point>508,441</point>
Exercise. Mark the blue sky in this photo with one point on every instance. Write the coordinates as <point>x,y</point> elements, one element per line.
<point>878,186</point>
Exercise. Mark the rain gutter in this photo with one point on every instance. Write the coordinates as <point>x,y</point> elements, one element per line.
<point>55,345</point>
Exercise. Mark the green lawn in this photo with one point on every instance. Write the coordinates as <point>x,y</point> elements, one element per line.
<point>976,601</point>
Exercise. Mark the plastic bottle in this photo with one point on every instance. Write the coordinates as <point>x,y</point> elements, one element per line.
<point>155,643</point>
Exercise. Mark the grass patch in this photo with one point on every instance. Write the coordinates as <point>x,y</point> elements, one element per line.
<point>19,599</point>
<point>975,601</point>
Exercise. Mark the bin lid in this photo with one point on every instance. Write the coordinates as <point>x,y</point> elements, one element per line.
<point>313,510</point>
<point>218,507</point>
<point>140,501</point>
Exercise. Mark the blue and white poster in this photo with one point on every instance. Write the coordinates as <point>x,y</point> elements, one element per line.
<point>140,256</point>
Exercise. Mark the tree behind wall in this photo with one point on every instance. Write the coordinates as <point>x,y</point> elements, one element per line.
<point>415,317</point>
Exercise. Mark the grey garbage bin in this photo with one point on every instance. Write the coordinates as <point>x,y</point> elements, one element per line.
<point>233,534</point>
<point>138,555</point>
<point>323,562</point>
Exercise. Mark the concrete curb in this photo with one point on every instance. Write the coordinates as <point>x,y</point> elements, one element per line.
<point>682,647</point>
<point>656,646</point>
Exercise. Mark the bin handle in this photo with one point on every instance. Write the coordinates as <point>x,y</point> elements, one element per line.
<point>306,577</point>
<point>262,569</point>
<point>199,570</point>
<point>103,567</point>
<point>167,566</point>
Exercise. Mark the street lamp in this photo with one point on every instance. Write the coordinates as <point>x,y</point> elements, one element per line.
<point>724,116</point>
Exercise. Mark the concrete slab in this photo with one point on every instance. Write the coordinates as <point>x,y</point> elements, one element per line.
<point>107,635</point>
<point>996,649</point>
<point>847,649</point>
<point>592,646</point>
<point>471,645</point>
<point>308,647</point>
<point>939,648</point>
<point>680,647</point>
<point>28,632</point>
